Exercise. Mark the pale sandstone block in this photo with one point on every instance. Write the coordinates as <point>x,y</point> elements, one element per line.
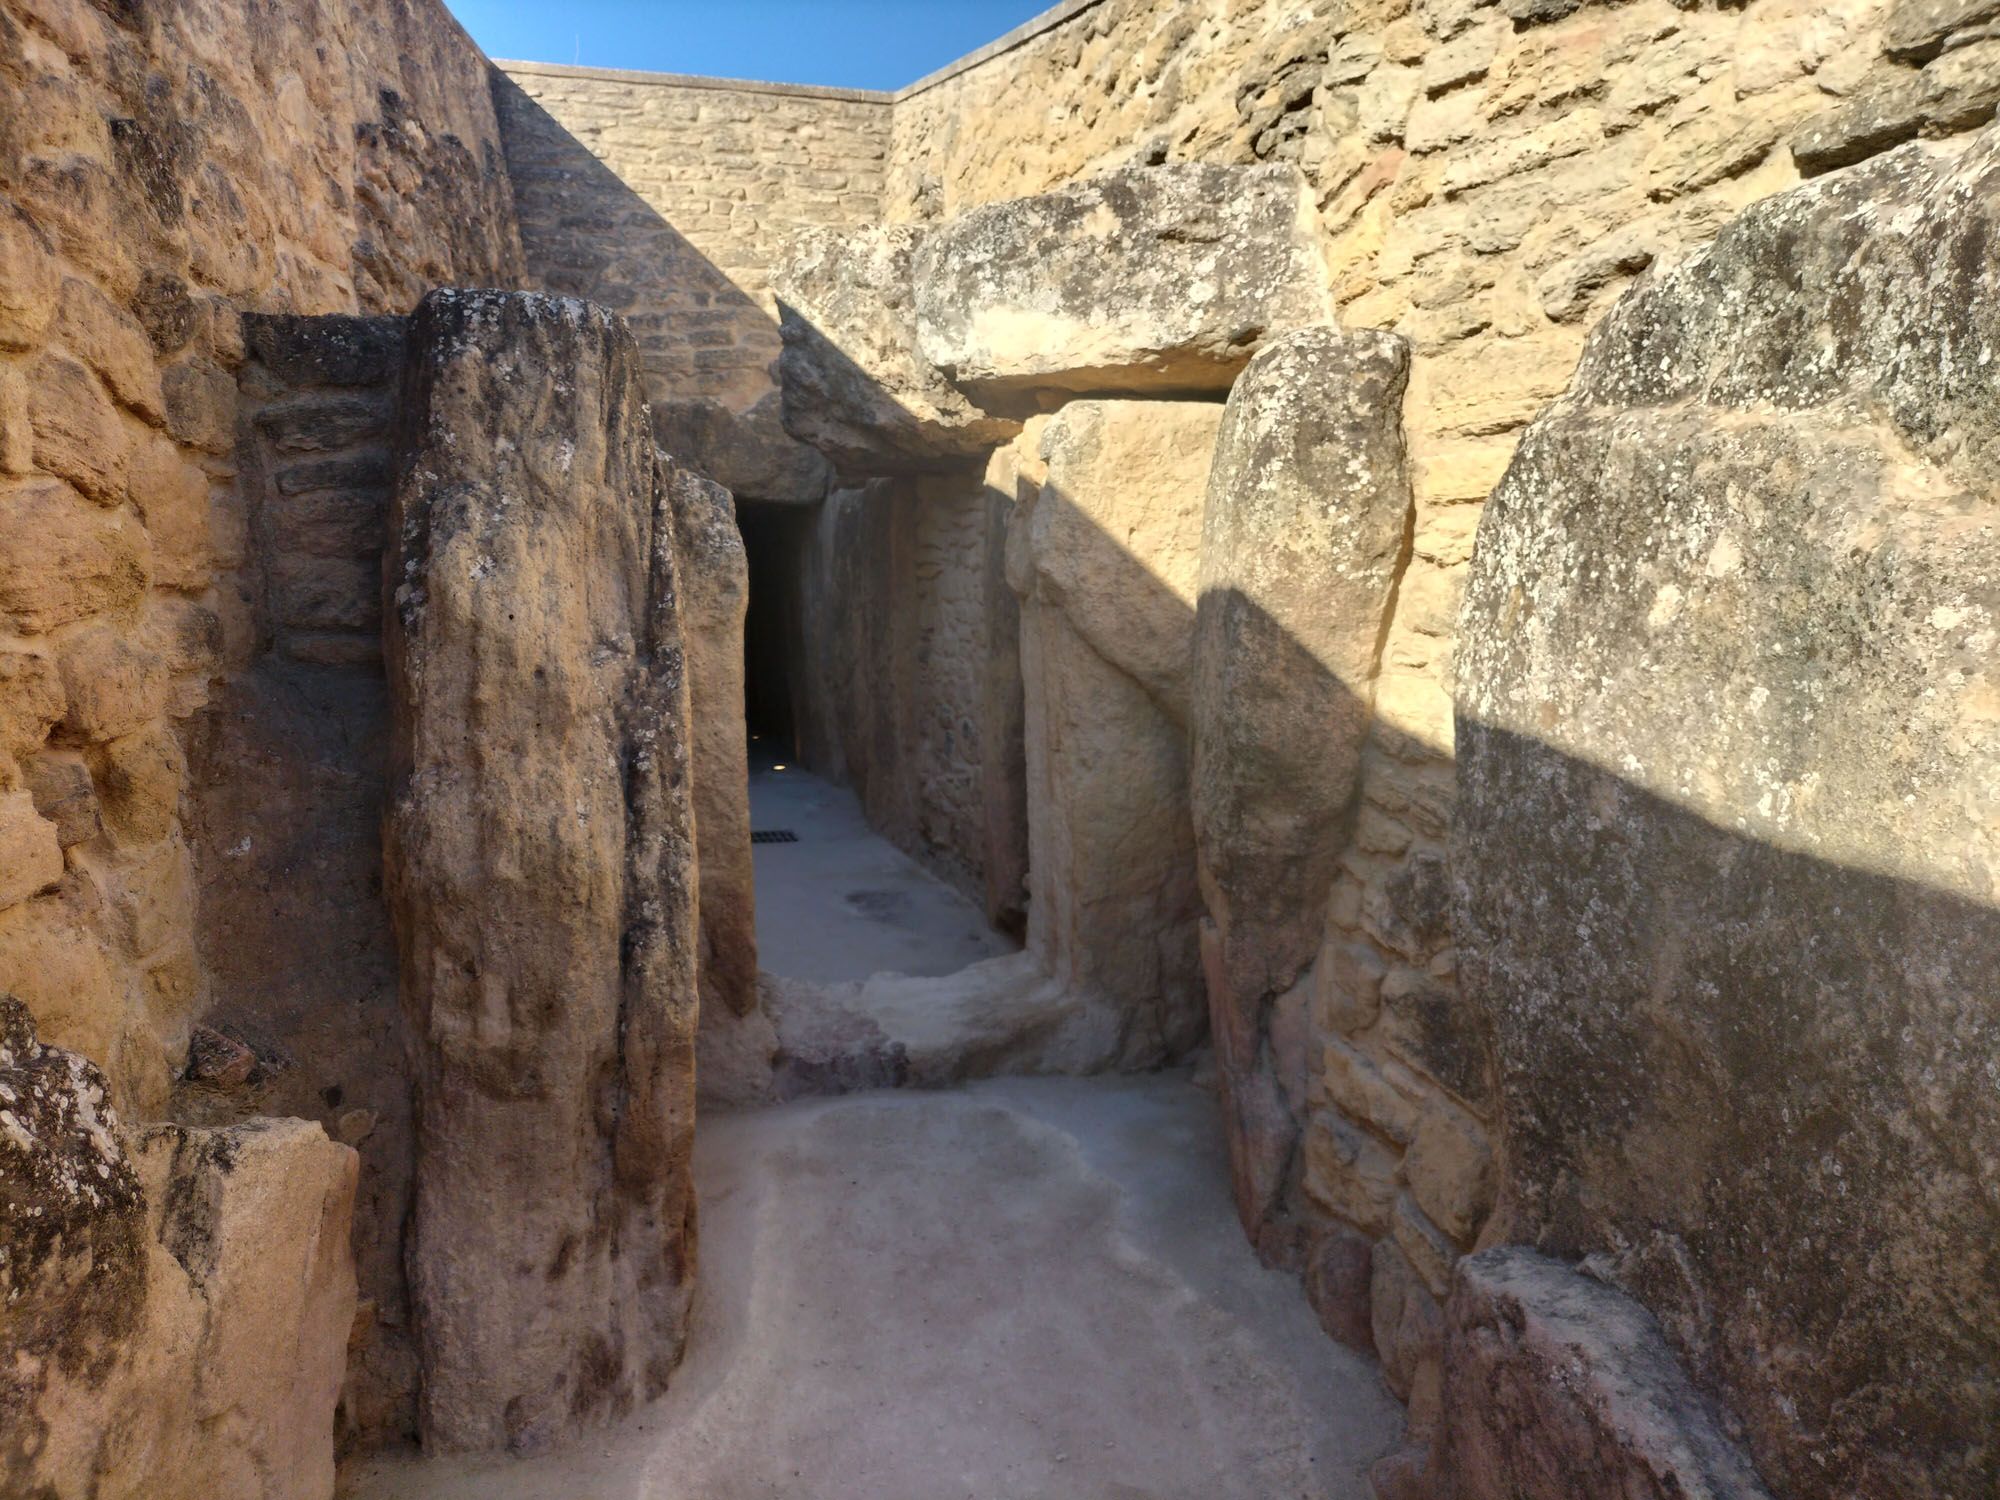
<point>66,795</point>
<point>1450,1171</point>
<point>114,683</point>
<point>1359,1087</point>
<point>139,778</point>
<point>28,280</point>
<point>1569,135</point>
<point>172,495</point>
<point>1349,1172</point>
<point>78,433</point>
<point>17,431</point>
<point>31,859</point>
<point>112,343</point>
<point>31,701</point>
<point>1347,984</point>
<point>1465,57</point>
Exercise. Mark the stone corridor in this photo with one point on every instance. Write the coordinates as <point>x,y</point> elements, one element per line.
<point>1376,620</point>
<point>1029,1288</point>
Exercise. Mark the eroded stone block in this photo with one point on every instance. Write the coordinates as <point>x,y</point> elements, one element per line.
<point>1558,1386</point>
<point>1725,846</point>
<point>856,384</point>
<point>1145,279</point>
<point>541,873</point>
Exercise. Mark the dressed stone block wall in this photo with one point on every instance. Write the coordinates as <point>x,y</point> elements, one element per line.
<point>667,200</point>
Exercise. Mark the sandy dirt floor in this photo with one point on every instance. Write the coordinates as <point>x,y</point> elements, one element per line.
<point>1022,1289</point>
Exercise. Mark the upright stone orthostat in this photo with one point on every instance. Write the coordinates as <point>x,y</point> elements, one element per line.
<point>714,573</point>
<point>1302,537</point>
<point>1728,838</point>
<point>1106,569</point>
<point>541,872</point>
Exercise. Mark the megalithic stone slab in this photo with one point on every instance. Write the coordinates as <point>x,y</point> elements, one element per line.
<point>1727,842</point>
<point>1561,1386</point>
<point>714,572</point>
<point>1303,533</point>
<point>714,577</point>
<point>855,384</point>
<point>540,865</point>
<point>1147,279</point>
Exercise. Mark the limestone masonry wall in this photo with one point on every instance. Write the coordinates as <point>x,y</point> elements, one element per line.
<point>667,200</point>
<point>189,652</point>
<point>161,171</point>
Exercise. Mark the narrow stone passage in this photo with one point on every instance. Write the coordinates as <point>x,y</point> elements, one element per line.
<point>843,903</point>
<point>1020,1288</point>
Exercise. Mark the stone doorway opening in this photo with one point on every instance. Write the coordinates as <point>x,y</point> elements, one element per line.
<point>774,539</point>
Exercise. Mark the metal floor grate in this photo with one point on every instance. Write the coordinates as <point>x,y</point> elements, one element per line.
<point>774,836</point>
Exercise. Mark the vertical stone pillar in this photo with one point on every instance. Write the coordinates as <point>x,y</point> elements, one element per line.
<point>1106,571</point>
<point>1302,540</point>
<point>540,868</point>
<point>736,1042</point>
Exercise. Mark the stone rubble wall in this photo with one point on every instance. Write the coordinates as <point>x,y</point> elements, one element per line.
<point>189,680</point>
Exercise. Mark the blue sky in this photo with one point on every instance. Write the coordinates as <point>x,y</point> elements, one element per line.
<point>870,44</point>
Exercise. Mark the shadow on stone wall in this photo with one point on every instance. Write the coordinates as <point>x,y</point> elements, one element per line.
<point>707,344</point>
<point>1757,1087</point>
<point>1748,1086</point>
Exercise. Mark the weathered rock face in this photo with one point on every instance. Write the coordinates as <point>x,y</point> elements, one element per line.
<point>748,453</point>
<point>1106,567</point>
<point>1145,279</point>
<point>1115,538</point>
<point>541,874</point>
<point>856,386</point>
<point>178,1300</point>
<point>1303,534</point>
<point>1726,849</point>
<point>1559,1386</point>
<point>714,596</point>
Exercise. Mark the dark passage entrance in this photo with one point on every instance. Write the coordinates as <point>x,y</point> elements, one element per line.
<point>774,540</point>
